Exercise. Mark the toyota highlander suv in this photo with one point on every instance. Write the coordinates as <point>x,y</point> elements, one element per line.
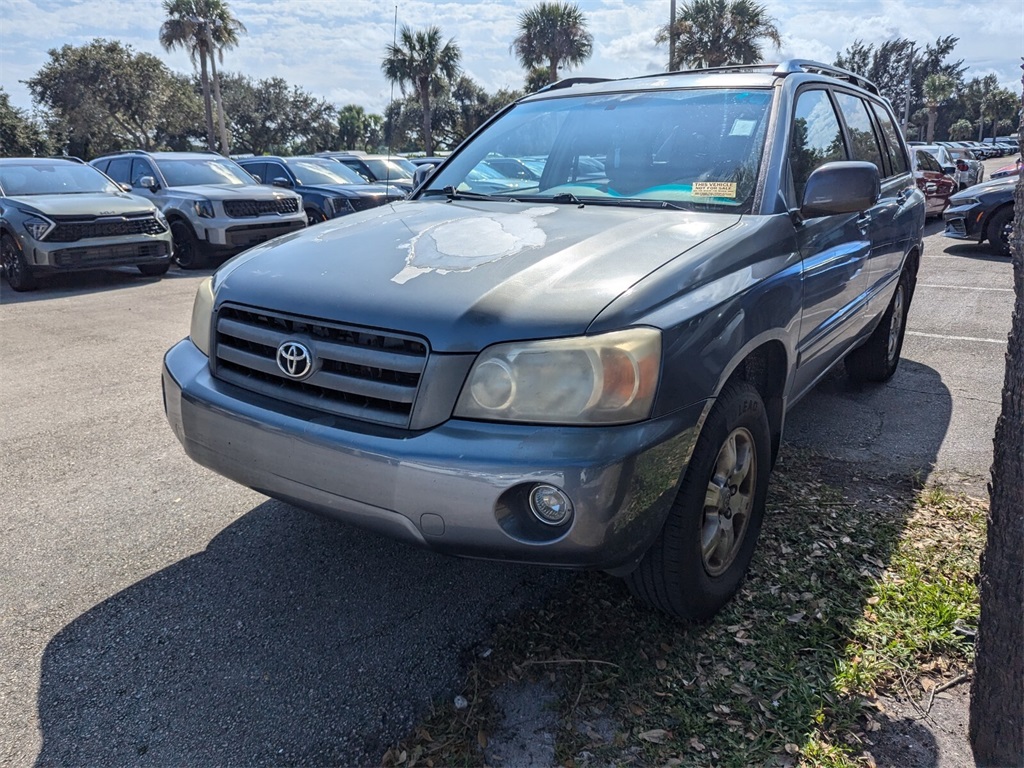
<point>589,370</point>
<point>60,215</point>
<point>215,208</point>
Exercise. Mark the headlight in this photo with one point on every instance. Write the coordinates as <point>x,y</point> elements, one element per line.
<point>203,208</point>
<point>38,227</point>
<point>964,201</point>
<point>161,219</point>
<point>338,206</point>
<point>202,316</point>
<point>606,379</point>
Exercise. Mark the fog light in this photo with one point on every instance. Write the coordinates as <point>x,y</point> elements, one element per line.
<point>550,505</point>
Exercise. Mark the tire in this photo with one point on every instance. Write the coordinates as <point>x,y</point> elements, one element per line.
<point>17,271</point>
<point>997,233</point>
<point>313,216</point>
<point>188,251</point>
<point>154,270</point>
<point>725,484</point>
<point>878,357</point>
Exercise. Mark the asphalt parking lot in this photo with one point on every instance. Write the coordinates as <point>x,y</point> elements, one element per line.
<point>152,613</point>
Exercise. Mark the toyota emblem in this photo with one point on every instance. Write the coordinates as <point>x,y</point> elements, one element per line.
<point>295,360</point>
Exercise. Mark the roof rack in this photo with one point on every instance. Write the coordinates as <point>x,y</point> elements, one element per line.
<point>795,66</point>
<point>569,82</point>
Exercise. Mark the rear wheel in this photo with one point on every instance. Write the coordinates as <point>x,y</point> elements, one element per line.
<point>878,357</point>
<point>188,251</point>
<point>15,268</point>
<point>701,555</point>
<point>998,231</point>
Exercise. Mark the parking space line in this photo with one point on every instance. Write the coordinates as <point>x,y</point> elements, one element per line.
<point>955,338</point>
<point>965,287</point>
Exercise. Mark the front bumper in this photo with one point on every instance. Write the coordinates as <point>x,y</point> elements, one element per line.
<point>965,222</point>
<point>237,234</point>
<point>457,488</point>
<point>96,252</point>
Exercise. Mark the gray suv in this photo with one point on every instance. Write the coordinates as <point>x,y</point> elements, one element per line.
<point>60,215</point>
<point>591,370</point>
<point>214,207</point>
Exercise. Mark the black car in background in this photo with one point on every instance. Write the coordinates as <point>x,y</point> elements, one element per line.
<point>377,169</point>
<point>328,189</point>
<point>983,212</point>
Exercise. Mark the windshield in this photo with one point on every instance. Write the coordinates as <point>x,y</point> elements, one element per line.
<point>696,148</point>
<point>53,179</point>
<point>309,170</point>
<point>207,170</point>
<point>393,169</point>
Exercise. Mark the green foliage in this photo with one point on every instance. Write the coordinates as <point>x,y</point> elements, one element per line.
<point>713,33</point>
<point>271,117</point>
<point>961,130</point>
<point>421,61</point>
<point>552,35</point>
<point>108,98</point>
<point>359,130</point>
<point>20,135</point>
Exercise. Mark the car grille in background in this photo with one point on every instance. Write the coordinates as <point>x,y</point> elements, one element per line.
<point>957,227</point>
<point>364,203</point>
<point>70,230</point>
<point>361,374</point>
<point>110,255</point>
<point>241,209</point>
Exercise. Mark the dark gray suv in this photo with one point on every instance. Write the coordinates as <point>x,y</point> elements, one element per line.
<point>589,370</point>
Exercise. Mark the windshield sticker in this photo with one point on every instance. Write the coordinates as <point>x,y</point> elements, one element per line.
<point>461,245</point>
<point>715,189</point>
<point>743,127</point>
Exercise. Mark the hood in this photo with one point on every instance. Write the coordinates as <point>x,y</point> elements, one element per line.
<point>348,190</point>
<point>224,192</point>
<point>85,204</point>
<point>466,274</point>
<point>987,187</point>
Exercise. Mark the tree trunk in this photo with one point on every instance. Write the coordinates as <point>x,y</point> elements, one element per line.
<point>205,79</point>
<point>553,70</point>
<point>224,149</point>
<point>997,692</point>
<point>933,114</point>
<point>428,138</point>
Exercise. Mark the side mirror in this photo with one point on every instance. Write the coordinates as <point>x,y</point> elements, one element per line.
<point>149,183</point>
<point>281,181</point>
<point>421,174</point>
<point>849,186</point>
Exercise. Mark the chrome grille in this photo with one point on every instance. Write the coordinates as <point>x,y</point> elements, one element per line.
<point>359,373</point>
<point>244,209</point>
<point>72,230</point>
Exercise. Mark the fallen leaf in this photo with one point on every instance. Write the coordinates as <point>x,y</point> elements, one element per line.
<point>792,748</point>
<point>696,744</point>
<point>655,736</point>
<point>796,618</point>
<point>873,600</point>
<point>661,664</point>
<point>481,739</point>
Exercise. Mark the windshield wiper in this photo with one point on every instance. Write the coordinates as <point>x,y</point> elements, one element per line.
<point>457,194</point>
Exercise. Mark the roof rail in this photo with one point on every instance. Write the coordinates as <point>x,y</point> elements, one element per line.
<point>569,82</point>
<point>72,158</point>
<point>795,66</point>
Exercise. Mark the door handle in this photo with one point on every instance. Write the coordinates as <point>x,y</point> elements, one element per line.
<point>864,222</point>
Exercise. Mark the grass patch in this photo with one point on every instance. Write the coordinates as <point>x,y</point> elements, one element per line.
<point>851,593</point>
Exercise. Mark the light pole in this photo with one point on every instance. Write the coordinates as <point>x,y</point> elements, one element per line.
<point>671,34</point>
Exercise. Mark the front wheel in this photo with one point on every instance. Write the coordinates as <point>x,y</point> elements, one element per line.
<point>313,216</point>
<point>998,231</point>
<point>877,358</point>
<point>15,268</point>
<point>701,555</point>
<point>188,251</point>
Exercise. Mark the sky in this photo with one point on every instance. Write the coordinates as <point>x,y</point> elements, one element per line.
<point>333,48</point>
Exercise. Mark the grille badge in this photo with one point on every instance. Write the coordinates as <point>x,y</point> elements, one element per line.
<point>294,359</point>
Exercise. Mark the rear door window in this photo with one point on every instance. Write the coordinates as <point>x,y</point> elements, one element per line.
<point>120,169</point>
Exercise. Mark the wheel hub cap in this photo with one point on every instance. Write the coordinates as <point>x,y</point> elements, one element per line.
<point>728,501</point>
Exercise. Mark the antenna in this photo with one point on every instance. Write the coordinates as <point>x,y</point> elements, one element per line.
<point>391,104</point>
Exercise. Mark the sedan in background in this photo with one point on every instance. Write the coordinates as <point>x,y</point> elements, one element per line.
<point>1007,170</point>
<point>936,185</point>
<point>983,212</point>
<point>971,169</point>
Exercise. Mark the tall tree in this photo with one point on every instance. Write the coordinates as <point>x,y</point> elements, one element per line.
<point>553,35</point>
<point>997,691</point>
<point>20,135</point>
<point>713,33</point>
<point>107,97</point>
<point>204,28</point>
<point>420,60</point>
<point>937,89</point>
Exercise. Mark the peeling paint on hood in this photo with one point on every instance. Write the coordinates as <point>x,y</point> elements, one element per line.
<point>459,245</point>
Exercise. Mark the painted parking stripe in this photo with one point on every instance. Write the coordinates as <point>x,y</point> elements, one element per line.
<point>965,288</point>
<point>955,338</point>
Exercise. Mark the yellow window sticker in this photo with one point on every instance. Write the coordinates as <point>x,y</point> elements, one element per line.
<point>714,189</point>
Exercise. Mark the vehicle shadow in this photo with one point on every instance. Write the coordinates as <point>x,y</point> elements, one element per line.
<point>87,282</point>
<point>976,251</point>
<point>290,640</point>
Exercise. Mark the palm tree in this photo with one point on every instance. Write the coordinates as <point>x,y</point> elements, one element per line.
<point>713,33</point>
<point>553,35</point>
<point>937,89</point>
<point>422,62</point>
<point>205,28</point>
